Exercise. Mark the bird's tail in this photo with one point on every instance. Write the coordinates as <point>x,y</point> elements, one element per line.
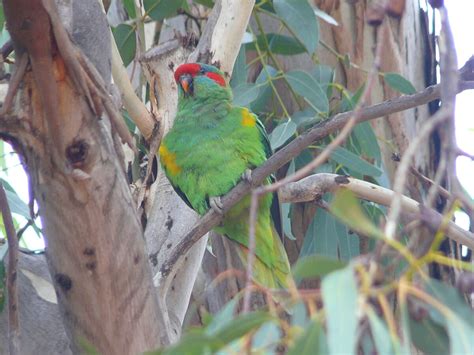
<point>277,275</point>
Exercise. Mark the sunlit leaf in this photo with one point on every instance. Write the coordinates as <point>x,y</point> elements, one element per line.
<point>267,337</point>
<point>300,17</point>
<point>325,17</point>
<point>339,292</point>
<point>346,207</point>
<point>126,42</point>
<point>305,85</point>
<point>282,133</point>
<point>14,202</point>
<point>399,83</point>
<point>43,287</point>
<point>380,334</point>
<point>223,317</point>
<point>354,162</point>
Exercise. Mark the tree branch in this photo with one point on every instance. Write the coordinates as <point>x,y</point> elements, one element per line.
<point>13,318</point>
<point>315,186</point>
<point>277,160</point>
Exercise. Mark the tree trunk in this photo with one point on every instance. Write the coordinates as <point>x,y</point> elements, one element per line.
<point>95,246</point>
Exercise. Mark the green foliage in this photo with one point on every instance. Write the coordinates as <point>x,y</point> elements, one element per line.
<point>299,17</point>
<point>160,9</point>
<point>307,86</point>
<point>281,133</point>
<point>399,83</point>
<point>126,42</point>
<point>278,44</point>
<point>315,266</point>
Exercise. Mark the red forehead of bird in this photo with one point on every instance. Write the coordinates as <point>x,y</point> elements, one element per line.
<point>194,69</point>
<point>188,68</point>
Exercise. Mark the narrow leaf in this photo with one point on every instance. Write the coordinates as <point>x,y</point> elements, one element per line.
<point>346,207</point>
<point>245,94</point>
<point>306,86</point>
<point>309,343</point>
<point>354,162</point>
<point>126,42</point>
<point>300,17</point>
<point>339,291</point>
<point>399,83</point>
<point>315,266</point>
<point>282,133</point>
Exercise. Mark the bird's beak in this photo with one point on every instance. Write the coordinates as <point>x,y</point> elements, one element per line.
<point>186,82</point>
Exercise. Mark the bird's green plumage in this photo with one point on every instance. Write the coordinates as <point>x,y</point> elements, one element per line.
<point>204,155</point>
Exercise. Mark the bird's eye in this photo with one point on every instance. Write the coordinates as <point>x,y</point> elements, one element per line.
<point>202,71</point>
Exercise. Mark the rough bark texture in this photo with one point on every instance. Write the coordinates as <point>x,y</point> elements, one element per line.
<point>95,247</point>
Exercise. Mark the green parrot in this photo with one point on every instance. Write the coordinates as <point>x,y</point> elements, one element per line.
<point>210,148</point>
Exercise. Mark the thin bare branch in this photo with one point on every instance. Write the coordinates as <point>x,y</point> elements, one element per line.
<point>13,317</point>
<point>315,186</point>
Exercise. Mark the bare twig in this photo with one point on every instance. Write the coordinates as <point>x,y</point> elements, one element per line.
<point>449,86</point>
<point>13,318</point>
<point>314,186</point>
<point>401,174</point>
<point>135,107</point>
<point>277,160</point>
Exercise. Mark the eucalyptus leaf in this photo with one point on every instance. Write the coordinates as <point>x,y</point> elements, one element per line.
<point>130,8</point>
<point>346,207</point>
<point>286,220</point>
<point>340,298</point>
<point>300,17</point>
<point>369,145</point>
<point>325,17</point>
<point>278,44</point>
<point>354,162</point>
<point>314,266</point>
<point>310,342</point>
<point>282,133</point>
<point>239,74</point>
<point>245,94</point>
<point>380,334</point>
<point>305,85</point>
<point>429,337</point>
<point>126,42</point>
<point>399,83</point>
<point>158,10</point>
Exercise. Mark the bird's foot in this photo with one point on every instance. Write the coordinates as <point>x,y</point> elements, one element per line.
<point>216,204</point>
<point>247,176</point>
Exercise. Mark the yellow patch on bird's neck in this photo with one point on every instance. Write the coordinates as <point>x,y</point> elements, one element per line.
<point>168,159</point>
<point>248,119</point>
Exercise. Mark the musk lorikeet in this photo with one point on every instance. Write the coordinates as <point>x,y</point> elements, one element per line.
<point>210,147</point>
